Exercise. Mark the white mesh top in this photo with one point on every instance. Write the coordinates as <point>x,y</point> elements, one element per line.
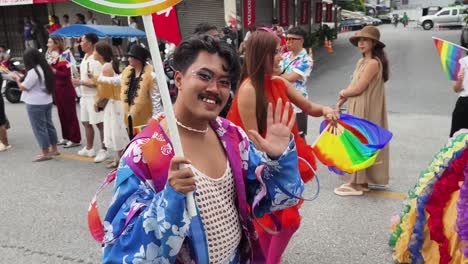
<point>216,201</point>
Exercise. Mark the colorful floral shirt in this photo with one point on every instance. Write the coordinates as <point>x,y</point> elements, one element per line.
<point>301,64</point>
<point>147,221</point>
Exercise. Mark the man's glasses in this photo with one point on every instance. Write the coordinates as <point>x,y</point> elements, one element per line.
<point>291,39</point>
<point>208,78</point>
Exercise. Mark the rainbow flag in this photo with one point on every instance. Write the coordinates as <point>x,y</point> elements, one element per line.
<point>450,54</point>
<point>4,69</point>
<point>352,146</point>
<point>68,58</point>
<point>138,129</point>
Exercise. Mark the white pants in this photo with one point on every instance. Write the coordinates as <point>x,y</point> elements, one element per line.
<point>115,131</point>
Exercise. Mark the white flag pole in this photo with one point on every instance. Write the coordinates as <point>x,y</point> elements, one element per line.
<point>166,99</point>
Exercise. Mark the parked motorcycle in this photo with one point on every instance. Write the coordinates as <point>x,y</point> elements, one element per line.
<point>8,86</point>
<point>169,72</point>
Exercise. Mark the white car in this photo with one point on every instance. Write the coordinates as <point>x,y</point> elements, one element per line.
<point>446,17</point>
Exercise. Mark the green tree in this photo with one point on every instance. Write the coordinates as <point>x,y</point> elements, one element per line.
<point>355,5</point>
<point>359,5</point>
<point>456,3</point>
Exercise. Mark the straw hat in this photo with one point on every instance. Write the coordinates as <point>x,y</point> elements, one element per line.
<point>369,32</point>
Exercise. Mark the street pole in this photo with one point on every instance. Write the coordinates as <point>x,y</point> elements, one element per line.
<point>295,13</point>
<point>335,16</point>
<point>275,10</point>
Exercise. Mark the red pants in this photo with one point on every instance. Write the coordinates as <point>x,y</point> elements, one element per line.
<point>66,106</point>
<point>273,246</point>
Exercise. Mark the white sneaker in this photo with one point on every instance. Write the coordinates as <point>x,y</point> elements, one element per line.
<point>101,156</point>
<point>4,148</point>
<point>87,152</point>
<point>62,142</point>
<point>71,144</point>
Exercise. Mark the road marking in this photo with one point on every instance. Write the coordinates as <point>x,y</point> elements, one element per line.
<point>76,157</point>
<point>389,195</point>
<point>382,194</point>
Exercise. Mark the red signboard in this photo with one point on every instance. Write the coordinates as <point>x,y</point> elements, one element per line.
<point>329,13</point>
<point>249,13</point>
<point>305,12</point>
<point>48,1</point>
<point>318,12</point>
<point>27,2</point>
<point>284,12</point>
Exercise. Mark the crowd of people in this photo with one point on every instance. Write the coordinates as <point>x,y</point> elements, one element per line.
<point>113,103</point>
<point>35,34</point>
<point>267,97</point>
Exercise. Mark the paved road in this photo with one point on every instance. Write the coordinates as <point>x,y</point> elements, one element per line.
<point>44,205</point>
<point>420,102</point>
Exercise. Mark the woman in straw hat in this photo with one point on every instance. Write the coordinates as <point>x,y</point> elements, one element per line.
<point>366,99</point>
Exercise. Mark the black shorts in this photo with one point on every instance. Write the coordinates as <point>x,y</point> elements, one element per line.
<point>3,118</point>
<point>460,115</point>
<point>301,119</point>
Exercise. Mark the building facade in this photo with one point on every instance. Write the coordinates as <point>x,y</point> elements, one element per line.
<point>379,2</point>
<point>414,4</point>
<point>243,14</point>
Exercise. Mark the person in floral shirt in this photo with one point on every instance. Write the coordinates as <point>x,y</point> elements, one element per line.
<point>231,179</point>
<point>296,67</point>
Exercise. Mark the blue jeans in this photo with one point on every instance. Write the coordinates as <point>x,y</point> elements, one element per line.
<point>40,117</point>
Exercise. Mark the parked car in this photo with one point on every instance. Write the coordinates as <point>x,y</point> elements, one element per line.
<point>352,24</point>
<point>464,36</point>
<point>446,17</point>
<point>375,21</point>
<point>386,19</point>
<point>367,21</point>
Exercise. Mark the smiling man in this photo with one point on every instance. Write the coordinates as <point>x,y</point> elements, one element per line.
<point>297,66</point>
<point>147,221</point>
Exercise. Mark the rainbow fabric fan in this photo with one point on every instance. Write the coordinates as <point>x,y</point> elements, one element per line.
<point>351,146</point>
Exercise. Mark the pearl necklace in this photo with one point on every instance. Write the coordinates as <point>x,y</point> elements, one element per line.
<point>192,129</point>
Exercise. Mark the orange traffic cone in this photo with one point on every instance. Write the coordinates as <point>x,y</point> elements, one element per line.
<point>328,45</point>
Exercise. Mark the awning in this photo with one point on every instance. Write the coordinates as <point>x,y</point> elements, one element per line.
<point>78,30</point>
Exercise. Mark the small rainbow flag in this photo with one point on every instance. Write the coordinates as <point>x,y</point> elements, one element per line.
<point>68,58</point>
<point>138,129</point>
<point>4,69</point>
<point>450,54</point>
